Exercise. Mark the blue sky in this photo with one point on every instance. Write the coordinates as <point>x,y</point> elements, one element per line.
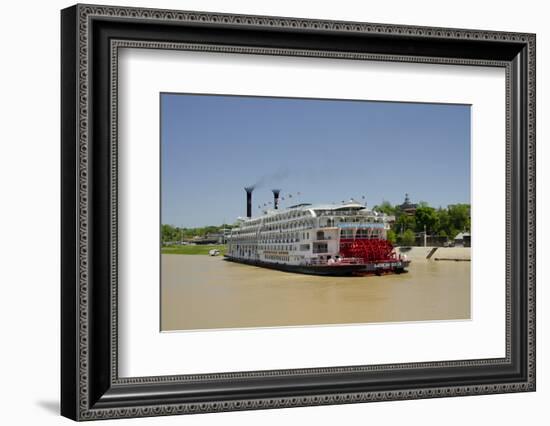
<point>328,150</point>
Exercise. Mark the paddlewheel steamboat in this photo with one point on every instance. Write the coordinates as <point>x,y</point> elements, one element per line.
<point>325,239</point>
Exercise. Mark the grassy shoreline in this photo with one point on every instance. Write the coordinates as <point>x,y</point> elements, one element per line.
<point>194,249</point>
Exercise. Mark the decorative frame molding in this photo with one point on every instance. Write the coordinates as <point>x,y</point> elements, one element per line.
<point>91,388</point>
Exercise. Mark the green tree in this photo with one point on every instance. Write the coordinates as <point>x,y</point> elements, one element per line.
<point>426,216</point>
<point>386,208</point>
<point>404,222</point>
<point>391,236</point>
<point>443,222</point>
<point>459,218</point>
<point>169,233</point>
<point>408,238</point>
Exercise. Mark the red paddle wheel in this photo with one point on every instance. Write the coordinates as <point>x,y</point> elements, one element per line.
<point>370,250</point>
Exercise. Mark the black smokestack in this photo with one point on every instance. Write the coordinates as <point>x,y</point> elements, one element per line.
<point>276,198</point>
<point>249,190</point>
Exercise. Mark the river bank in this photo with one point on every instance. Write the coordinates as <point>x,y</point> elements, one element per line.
<point>194,249</point>
<point>435,253</point>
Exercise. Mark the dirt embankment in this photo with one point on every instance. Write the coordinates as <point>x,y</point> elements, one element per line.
<point>435,253</point>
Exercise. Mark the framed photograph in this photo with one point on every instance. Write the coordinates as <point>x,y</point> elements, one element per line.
<point>263,212</point>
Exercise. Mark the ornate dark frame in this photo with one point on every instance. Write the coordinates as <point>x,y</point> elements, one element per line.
<point>91,37</point>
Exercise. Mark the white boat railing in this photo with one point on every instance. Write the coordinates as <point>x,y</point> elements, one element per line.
<point>335,262</point>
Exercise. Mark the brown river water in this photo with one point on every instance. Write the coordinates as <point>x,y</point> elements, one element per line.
<point>203,292</point>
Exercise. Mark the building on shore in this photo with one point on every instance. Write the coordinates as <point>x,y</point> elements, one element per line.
<point>407,207</point>
<point>463,239</point>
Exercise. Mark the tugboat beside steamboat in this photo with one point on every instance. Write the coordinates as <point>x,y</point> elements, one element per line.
<point>331,239</point>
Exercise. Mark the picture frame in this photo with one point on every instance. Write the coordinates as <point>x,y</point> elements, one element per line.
<point>90,384</point>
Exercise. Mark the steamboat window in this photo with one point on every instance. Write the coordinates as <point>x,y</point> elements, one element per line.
<point>346,233</point>
<point>320,248</point>
<point>362,233</point>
